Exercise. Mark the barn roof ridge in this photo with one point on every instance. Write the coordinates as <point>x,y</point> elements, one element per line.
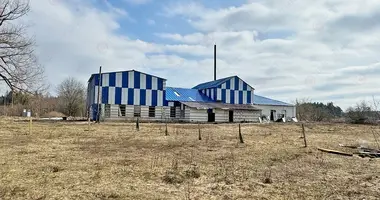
<point>216,83</point>
<point>92,75</point>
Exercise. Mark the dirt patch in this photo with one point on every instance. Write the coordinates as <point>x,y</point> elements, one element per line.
<point>53,114</point>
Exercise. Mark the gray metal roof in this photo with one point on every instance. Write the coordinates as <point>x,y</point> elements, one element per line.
<point>260,100</point>
<point>223,106</point>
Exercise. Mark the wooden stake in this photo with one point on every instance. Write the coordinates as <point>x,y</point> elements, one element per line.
<point>88,122</point>
<point>30,125</point>
<point>166,129</point>
<point>137,125</point>
<point>304,135</point>
<point>199,132</point>
<point>240,135</point>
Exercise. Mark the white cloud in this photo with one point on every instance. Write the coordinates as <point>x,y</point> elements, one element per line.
<point>292,49</point>
<point>72,43</point>
<point>325,50</point>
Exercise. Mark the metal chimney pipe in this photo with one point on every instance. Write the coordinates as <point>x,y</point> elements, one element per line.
<point>214,62</point>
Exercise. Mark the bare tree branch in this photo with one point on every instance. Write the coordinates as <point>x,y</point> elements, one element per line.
<point>18,64</point>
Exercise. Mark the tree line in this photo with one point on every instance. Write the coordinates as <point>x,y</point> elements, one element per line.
<point>70,100</point>
<point>362,112</point>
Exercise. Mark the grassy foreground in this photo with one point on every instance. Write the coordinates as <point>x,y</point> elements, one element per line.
<point>114,161</point>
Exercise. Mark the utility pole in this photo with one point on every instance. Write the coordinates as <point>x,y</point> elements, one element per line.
<point>99,86</point>
<point>215,62</point>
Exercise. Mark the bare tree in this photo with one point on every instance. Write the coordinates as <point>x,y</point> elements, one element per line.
<point>18,63</point>
<point>71,97</point>
<point>361,113</point>
<point>376,106</point>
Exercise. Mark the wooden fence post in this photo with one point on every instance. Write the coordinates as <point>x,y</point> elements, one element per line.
<point>166,129</point>
<point>30,124</point>
<point>137,124</point>
<point>199,132</point>
<point>240,135</point>
<point>304,135</point>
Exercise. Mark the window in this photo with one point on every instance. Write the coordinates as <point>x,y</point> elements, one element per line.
<point>172,112</point>
<point>152,111</point>
<point>137,111</point>
<point>122,110</point>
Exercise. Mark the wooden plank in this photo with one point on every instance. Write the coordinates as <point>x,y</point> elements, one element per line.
<point>335,152</point>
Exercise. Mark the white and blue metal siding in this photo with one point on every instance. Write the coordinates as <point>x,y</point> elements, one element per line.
<point>130,88</point>
<point>233,91</point>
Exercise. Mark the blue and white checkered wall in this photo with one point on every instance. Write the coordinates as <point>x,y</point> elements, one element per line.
<point>129,88</point>
<point>233,91</point>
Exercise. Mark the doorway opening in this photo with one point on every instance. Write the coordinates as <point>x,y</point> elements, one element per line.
<point>231,116</point>
<point>211,115</point>
<point>272,114</point>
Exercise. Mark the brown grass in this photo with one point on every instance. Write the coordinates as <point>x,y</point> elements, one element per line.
<point>113,161</point>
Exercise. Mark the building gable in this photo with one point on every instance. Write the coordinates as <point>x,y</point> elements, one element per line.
<point>231,90</point>
<point>129,88</point>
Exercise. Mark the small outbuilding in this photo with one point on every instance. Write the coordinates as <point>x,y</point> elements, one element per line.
<point>274,109</point>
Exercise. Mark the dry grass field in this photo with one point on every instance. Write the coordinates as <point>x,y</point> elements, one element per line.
<point>114,161</point>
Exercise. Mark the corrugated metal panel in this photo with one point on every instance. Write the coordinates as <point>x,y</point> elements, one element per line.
<point>124,96</point>
<point>136,97</point>
<point>114,111</point>
<point>119,79</point>
<point>148,97</point>
<point>198,115</point>
<point>260,100</point>
<point>182,94</point>
<point>154,83</point>
<point>145,112</point>
<point>105,80</point>
<point>111,95</point>
<point>221,115</point>
<point>142,81</point>
<point>248,116</point>
<point>160,98</point>
<point>131,79</point>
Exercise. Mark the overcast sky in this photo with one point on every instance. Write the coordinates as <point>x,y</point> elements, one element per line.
<point>325,50</point>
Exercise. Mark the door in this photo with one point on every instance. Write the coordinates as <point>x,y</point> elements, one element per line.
<point>211,115</point>
<point>272,114</point>
<point>231,116</point>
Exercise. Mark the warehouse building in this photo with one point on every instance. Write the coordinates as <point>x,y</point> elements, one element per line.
<point>133,94</point>
<point>274,109</point>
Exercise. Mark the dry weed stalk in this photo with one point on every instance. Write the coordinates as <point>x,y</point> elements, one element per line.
<point>189,189</point>
<point>268,176</point>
